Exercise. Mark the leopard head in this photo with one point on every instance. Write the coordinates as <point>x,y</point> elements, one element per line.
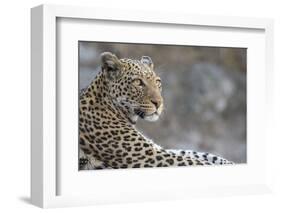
<point>134,86</point>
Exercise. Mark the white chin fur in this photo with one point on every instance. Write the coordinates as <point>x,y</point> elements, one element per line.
<point>151,118</point>
<point>134,118</point>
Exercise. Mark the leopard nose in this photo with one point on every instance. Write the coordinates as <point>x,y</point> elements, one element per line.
<point>156,103</point>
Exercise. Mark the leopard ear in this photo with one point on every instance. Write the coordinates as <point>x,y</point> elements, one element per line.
<point>111,65</point>
<point>147,60</point>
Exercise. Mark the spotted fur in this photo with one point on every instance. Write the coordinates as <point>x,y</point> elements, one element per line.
<point>110,106</point>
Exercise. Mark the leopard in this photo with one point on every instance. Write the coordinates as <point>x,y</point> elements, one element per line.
<point>124,91</point>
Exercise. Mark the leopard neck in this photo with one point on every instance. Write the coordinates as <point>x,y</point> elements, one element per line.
<point>98,91</point>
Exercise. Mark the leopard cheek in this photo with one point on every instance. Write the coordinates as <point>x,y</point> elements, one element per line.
<point>134,89</point>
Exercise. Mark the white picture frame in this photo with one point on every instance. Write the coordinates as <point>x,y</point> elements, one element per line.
<point>48,168</point>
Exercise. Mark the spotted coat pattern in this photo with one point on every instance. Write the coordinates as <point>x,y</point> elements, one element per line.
<point>122,92</point>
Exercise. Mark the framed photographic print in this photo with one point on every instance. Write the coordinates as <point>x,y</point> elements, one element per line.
<point>130,106</point>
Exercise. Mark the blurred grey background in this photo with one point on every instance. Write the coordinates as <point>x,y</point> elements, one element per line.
<point>204,91</point>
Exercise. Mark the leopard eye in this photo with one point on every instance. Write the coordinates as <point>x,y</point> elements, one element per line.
<point>158,83</point>
<point>138,82</point>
